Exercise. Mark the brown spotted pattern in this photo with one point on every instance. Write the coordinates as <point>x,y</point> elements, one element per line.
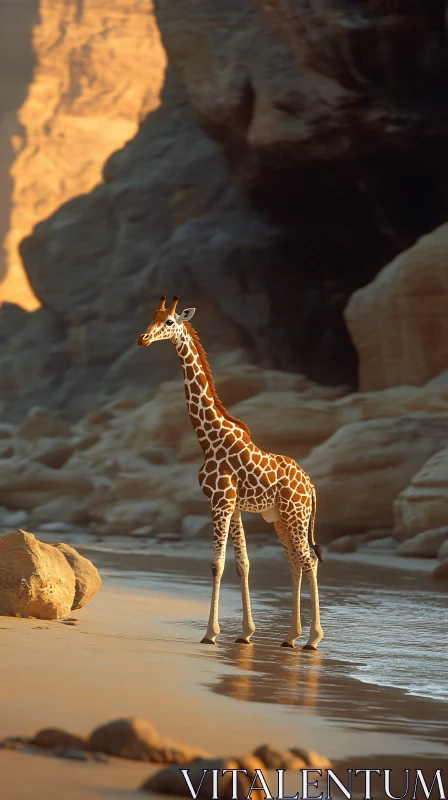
<point>236,475</point>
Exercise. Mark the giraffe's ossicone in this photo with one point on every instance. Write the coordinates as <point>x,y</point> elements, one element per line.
<point>237,476</point>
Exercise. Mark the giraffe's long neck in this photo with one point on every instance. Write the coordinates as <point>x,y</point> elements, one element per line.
<point>208,420</point>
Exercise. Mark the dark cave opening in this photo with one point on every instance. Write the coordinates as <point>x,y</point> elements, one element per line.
<point>338,227</point>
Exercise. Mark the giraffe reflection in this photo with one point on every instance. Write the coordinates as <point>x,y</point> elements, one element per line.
<point>237,476</point>
<point>292,681</point>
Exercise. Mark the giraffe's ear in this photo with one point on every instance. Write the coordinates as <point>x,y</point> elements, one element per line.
<point>186,315</point>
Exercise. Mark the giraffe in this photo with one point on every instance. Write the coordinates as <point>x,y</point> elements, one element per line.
<point>237,476</point>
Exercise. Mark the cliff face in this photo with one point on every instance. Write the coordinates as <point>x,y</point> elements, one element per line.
<point>99,70</point>
<point>298,148</point>
<point>17,18</point>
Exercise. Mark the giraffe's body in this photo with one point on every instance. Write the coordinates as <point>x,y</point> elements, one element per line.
<point>237,476</point>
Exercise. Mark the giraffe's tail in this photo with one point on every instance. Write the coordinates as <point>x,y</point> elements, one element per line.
<point>316,547</point>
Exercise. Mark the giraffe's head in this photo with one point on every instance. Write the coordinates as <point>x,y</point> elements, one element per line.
<point>165,323</point>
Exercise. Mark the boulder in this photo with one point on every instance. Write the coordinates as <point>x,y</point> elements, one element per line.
<point>39,423</point>
<point>131,737</point>
<point>62,509</point>
<point>172,781</point>
<point>441,571</point>
<point>87,577</point>
<point>424,545</point>
<point>362,468</point>
<point>51,738</point>
<point>344,544</point>
<point>399,323</point>
<point>134,738</point>
<point>423,504</point>
<point>25,484</point>
<point>35,578</point>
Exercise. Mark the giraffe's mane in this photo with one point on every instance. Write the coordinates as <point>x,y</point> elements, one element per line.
<point>208,374</point>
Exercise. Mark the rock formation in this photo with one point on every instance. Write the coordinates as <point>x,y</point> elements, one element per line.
<point>424,503</point>
<point>399,322</point>
<point>35,578</point>
<point>99,69</point>
<point>278,176</point>
<point>362,468</point>
<point>17,19</point>
<point>424,545</point>
<point>42,580</point>
<point>378,459</point>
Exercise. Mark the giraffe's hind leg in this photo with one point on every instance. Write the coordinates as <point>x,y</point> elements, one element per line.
<point>295,510</point>
<point>296,579</point>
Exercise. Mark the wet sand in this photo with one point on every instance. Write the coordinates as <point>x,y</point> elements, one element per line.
<point>136,651</point>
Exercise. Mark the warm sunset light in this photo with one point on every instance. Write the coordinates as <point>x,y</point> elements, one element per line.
<point>97,74</point>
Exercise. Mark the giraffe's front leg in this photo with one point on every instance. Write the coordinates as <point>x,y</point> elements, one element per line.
<point>242,568</point>
<point>221,522</point>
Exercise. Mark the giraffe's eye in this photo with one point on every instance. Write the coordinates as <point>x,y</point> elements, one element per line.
<point>169,322</point>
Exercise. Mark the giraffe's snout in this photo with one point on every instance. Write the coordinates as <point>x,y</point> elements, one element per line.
<point>143,340</point>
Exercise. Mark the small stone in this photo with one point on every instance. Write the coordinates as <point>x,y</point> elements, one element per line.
<point>311,758</point>
<point>278,757</point>
<point>131,737</point>
<point>136,739</point>
<point>52,738</point>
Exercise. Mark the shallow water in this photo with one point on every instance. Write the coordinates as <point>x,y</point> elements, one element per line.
<point>381,667</point>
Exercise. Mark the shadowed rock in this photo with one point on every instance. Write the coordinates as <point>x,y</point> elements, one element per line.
<point>87,577</point>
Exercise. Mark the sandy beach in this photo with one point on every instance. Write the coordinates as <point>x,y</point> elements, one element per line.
<point>376,687</point>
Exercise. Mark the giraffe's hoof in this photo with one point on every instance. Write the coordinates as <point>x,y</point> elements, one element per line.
<point>287,644</point>
<point>309,647</point>
<point>207,641</point>
<point>240,640</point>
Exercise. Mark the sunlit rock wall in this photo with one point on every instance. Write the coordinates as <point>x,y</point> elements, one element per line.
<point>99,69</point>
